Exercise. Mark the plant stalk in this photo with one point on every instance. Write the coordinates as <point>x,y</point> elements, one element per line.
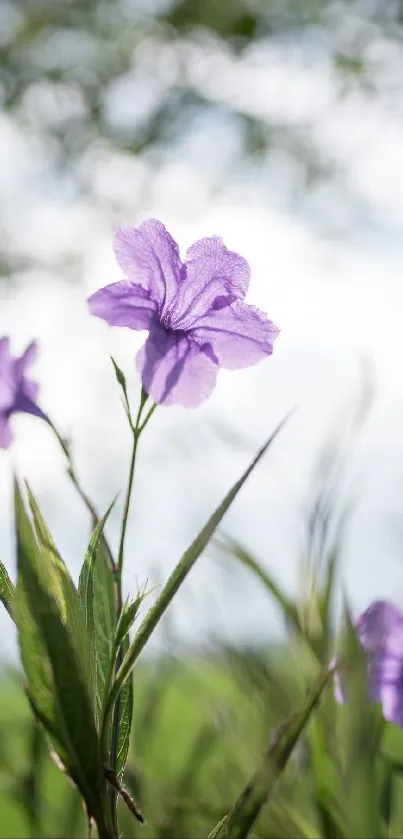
<point>118,569</point>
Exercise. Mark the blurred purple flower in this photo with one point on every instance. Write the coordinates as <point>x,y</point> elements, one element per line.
<point>194,312</point>
<point>17,393</point>
<point>380,631</point>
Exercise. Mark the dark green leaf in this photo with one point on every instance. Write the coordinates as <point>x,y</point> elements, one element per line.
<point>127,618</point>
<point>96,589</point>
<point>387,794</point>
<point>56,683</point>
<point>119,376</point>
<point>125,721</point>
<point>7,589</point>
<point>64,591</point>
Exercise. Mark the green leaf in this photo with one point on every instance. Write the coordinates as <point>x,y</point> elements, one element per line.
<point>178,575</point>
<point>119,375</point>
<point>122,383</point>
<point>386,803</point>
<point>97,596</point>
<point>7,589</point>
<point>127,617</point>
<point>218,830</point>
<point>392,744</point>
<point>363,732</point>
<point>96,590</point>
<point>327,794</point>
<point>64,591</point>
<point>56,683</point>
<point>122,642</point>
<point>247,807</point>
<point>125,720</point>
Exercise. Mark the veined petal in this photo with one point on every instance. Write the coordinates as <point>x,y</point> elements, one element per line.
<point>212,272</point>
<point>239,334</point>
<point>174,370</point>
<point>124,304</point>
<point>149,256</point>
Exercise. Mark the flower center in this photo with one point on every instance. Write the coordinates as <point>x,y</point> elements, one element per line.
<point>175,322</point>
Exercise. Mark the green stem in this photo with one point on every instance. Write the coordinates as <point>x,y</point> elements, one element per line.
<point>177,577</point>
<point>116,568</point>
<point>148,417</point>
<point>136,429</point>
<point>136,437</point>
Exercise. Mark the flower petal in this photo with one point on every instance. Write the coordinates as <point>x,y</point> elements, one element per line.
<point>7,383</point>
<point>4,350</point>
<point>174,370</point>
<point>239,334</point>
<point>17,393</point>
<point>149,256</point>
<point>25,400</point>
<point>212,273</point>
<point>380,630</point>
<point>123,304</point>
<point>28,357</point>
<point>380,624</point>
<point>5,432</point>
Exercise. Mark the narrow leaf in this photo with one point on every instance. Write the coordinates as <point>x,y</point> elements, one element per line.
<point>7,589</point>
<point>125,721</point>
<point>122,383</point>
<point>64,590</point>
<point>127,618</point>
<point>119,375</point>
<point>97,595</point>
<point>246,809</point>
<point>179,574</point>
<point>218,830</point>
<point>55,680</point>
<point>364,729</point>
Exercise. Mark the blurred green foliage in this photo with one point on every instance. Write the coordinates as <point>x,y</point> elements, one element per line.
<point>200,728</point>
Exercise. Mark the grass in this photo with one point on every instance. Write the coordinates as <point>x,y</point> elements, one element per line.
<point>205,725</point>
<point>199,729</point>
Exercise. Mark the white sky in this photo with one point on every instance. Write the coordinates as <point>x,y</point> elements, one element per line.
<point>336,300</point>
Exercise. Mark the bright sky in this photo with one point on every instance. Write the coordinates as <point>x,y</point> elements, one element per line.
<point>336,299</point>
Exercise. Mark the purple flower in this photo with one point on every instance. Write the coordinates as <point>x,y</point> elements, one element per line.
<point>194,312</point>
<point>380,631</point>
<point>17,393</point>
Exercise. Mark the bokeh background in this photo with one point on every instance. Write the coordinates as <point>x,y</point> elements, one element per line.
<point>279,126</point>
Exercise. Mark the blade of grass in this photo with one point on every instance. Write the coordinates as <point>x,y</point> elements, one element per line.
<point>248,805</point>
<point>178,575</point>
